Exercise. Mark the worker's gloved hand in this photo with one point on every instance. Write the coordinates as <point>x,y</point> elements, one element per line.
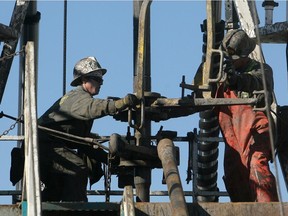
<point>227,66</point>
<point>232,77</point>
<point>129,100</point>
<point>231,81</point>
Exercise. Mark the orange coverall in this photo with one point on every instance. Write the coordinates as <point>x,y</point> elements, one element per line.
<point>247,152</point>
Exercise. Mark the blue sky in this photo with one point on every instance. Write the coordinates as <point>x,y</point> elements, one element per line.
<point>104,29</point>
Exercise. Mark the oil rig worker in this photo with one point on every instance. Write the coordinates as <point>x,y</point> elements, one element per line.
<point>65,166</point>
<point>247,175</point>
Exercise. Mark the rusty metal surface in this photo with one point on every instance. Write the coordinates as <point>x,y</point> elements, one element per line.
<point>153,209</point>
<point>80,206</point>
<point>142,83</point>
<point>189,102</point>
<point>157,209</point>
<point>6,33</point>
<point>32,192</point>
<point>127,205</point>
<point>213,209</point>
<point>166,152</point>
<point>10,210</point>
<point>16,24</point>
<point>122,148</point>
<point>275,33</point>
<point>207,68</point>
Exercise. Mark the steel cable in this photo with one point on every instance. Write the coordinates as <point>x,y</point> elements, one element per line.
<point>267,107</point>
<point>64,46</point>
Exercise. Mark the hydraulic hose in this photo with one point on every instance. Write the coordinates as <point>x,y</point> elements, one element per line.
<point>207,154</point>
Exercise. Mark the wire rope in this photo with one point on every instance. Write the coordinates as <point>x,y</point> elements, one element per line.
<point>64,46</point>
<point>267,106</point>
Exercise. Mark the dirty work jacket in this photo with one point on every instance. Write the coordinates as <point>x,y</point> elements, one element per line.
<point>246,134</point>
<point>74,114</point>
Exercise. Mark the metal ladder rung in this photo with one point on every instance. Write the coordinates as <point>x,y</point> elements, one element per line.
<point>11,138</point>
<point>7,33</point>
<point>16,23</point>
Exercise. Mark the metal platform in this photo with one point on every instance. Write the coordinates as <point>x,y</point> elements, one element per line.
<point>154,209</point>
<point>214,209</point>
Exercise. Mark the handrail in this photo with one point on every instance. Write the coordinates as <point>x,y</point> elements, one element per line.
<point>120,193</point>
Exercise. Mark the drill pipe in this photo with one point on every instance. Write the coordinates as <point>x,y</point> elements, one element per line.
<point>166,152</point>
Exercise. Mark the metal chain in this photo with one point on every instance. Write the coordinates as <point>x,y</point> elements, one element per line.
<point>5,132</point>
<point>13,54</point>
<point>108,180</point>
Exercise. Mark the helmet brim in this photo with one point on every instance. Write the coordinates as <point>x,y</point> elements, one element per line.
<point>94,73</point>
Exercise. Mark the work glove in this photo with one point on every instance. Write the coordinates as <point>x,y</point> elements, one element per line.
<point>232,80</point>
<point>232,77</point>
<point>129,100</point>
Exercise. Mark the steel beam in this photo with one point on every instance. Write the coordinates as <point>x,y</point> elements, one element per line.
<point>32,173</point>
<point>7,33</point>
<point>9,47</point>
<point>142,83</point>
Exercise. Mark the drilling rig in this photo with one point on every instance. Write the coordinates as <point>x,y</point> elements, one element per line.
<point>132,156</point>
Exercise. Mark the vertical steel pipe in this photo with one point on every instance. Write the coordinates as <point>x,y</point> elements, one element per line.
<point>269,8</point>
<point>127,206</point>
<point>32,172</point>
<point>142,83</point>
<point>166,152</point>
<point>30,32</point>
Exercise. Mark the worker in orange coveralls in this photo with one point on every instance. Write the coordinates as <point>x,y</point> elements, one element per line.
<point>245,131</point>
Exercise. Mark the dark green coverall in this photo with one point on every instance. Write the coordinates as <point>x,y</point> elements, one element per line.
<point>63,170</point>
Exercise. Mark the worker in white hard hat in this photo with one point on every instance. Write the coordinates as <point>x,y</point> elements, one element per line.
<point>65,166</point>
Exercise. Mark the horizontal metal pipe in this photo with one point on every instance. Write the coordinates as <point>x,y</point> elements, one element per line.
<point>119,146</point>
<point>11,138</point>
<point>120,193</point>
<point>189,102</point>
<point>73,138</point>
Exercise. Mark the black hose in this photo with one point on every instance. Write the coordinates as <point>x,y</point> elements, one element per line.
<point>207,154</point>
